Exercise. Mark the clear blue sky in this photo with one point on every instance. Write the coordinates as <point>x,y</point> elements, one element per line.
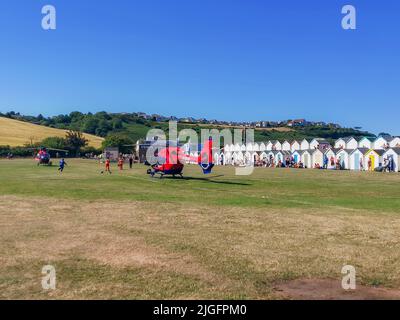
<point>224,59</point>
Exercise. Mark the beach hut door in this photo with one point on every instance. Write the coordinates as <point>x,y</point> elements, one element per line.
<point>357,161</point>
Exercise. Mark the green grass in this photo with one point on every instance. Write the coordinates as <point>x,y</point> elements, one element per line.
<point>278,188</point>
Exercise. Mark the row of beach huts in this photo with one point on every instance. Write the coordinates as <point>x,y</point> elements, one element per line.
<point>349,153</point>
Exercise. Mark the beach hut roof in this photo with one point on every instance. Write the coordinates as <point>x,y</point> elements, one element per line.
<point>312,151</point>
<point>321,140</point>
<point>362,150</point>
<point>334,150</point>
<point>345,150</point>
<point>383,137</point>
<point>378,151</point>
<point>396,150</point>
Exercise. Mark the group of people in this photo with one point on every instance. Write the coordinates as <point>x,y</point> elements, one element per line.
<point>388,165</point>
<point>288,162</point>
<point>120,163</point>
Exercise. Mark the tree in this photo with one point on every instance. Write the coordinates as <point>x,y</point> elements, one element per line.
<point>118,140</point>
<point>54,143</point>
<point>75,140</point>
<point>90,125</point>
<point>117,124</point>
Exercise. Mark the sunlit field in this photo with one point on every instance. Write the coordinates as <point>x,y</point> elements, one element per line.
<point>129,236</point>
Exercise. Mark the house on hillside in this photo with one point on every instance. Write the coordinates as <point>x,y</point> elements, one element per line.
<point>297,123</point>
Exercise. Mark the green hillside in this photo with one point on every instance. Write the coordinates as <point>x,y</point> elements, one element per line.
<point>127,128</point>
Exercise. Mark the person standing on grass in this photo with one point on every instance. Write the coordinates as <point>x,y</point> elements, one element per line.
<point>62,165</point>
<point>130,162</point>
<point>121,164</point>
<point>326,161</point>
<point>107,166</point>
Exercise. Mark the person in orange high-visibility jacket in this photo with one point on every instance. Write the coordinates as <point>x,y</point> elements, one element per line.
<point>121,164</point>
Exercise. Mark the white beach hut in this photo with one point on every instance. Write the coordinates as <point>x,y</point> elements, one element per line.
<point>278,156</point>
<point>343,156</point>
<point>394,154</point>
<point>306,158</point>
<point>286,146</point>
<point>263,155</point>
<point>394,142</point>
<point>317,158</point>
<point>380,143</point>
<point>296,156</point>
<point>349,143</point>
<point>373,158</point>
<point>331,155</point>
<point>357,159</point>
<point>319,143</point>
<point>295,146</point>
<point>365,143</point>
<point>276,145</point>
<point>305,144</point>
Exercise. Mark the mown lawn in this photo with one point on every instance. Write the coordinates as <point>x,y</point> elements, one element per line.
<point>128,236</point>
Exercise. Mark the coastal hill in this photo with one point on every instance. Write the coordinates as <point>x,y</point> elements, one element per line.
<point>19,133</point>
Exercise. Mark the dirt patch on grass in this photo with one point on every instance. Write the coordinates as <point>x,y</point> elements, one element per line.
<point>327,289</point>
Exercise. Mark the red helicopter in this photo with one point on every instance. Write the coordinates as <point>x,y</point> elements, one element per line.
<point>172,158</point>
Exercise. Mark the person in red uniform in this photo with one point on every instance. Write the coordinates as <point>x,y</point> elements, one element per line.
<point>107,166</point>
<point>121,164</point>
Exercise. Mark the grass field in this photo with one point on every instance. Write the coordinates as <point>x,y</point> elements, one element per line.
<point>16,133</point>
<point>128,236</point>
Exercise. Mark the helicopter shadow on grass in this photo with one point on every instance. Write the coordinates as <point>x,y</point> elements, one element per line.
<point>209,180</point>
